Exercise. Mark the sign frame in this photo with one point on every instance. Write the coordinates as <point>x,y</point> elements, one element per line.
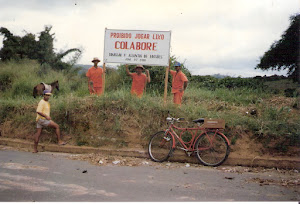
<point>140,55</point>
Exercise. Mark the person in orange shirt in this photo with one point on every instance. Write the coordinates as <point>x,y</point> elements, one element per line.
<point>139,80</point>
<point>94,75</point>
<point>179,83</point>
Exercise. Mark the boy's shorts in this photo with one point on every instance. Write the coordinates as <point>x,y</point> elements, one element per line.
<point>42,123</point>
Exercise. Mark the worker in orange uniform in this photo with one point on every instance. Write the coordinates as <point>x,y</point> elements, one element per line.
<point>139,80</point>
<point>94,75</point>
<point>179,83</point>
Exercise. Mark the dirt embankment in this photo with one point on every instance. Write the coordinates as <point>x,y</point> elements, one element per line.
<point>119,125</point>
<point>130,136</point>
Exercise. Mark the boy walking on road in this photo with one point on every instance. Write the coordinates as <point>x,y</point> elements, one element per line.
<point>94,75</point>
<point>179,83</point>
<point>43,119</point>
<point>139,80</point>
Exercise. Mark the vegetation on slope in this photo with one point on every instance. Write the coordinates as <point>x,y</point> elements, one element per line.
<point>120,120</point>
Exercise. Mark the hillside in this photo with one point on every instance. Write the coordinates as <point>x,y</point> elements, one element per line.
<point>121,121</point>
<point>85,67</point>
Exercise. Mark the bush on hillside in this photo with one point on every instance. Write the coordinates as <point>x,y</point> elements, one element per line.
<point>228,82</point>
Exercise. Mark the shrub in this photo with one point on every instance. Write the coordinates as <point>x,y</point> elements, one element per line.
<point>213,83</point>
<point>291,92</point>
<point>6,79</point>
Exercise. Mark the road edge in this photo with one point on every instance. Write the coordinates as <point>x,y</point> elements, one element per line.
<point>280,163</point>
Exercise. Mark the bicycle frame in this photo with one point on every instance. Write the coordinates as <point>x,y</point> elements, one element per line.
<point>190,145</point>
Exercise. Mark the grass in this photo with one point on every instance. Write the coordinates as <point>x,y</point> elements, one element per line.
<point>94,121</point>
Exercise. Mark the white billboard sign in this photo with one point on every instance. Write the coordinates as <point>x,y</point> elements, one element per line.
<point>137,47</point>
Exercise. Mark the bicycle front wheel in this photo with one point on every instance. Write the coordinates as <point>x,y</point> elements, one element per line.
<point>212,149</point>
<point>160,146</point>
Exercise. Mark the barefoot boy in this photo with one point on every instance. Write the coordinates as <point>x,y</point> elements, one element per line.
<point>43,119</point>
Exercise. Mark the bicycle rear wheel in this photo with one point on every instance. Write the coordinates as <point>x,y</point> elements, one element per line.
<point>160,146</point>
<point>212,149</point>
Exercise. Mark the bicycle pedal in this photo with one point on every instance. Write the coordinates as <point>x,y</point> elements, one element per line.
<point>167,138</point>
<point>189,153</point>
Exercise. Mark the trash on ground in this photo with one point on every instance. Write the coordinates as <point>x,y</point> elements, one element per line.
<point>282,182</point>
<point>116,162</point>
<point>187,185</point>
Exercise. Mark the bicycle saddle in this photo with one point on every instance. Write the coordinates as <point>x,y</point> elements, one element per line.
<point>200,120</point>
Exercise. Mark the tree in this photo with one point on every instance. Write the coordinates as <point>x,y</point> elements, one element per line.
<point>16,47</point>
<point>11,45</point>
<point>284,53</point>
<point>45,49</point>
<point>28,46</point>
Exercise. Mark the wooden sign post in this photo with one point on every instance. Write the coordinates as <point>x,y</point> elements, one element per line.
<point>166,84</point>
<point>103,78</point>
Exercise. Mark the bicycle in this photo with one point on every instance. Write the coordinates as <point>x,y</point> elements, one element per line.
<point>210,146</point>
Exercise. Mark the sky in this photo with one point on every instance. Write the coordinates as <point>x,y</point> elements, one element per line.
<point>209,36</point>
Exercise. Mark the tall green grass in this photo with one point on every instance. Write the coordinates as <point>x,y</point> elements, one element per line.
<point>89,119</point>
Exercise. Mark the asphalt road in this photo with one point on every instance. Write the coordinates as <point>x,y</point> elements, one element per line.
<point>25,176</point>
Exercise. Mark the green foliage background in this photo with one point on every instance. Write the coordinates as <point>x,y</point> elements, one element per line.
<point>116,116</point>
<point>284,53</point>
<point>95,121</point>
<point>27,47</point>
